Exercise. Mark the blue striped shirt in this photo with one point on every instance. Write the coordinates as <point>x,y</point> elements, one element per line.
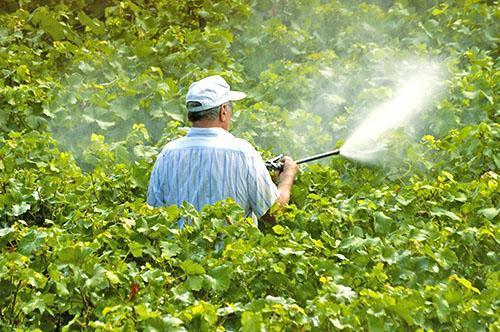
<point>208,165</point>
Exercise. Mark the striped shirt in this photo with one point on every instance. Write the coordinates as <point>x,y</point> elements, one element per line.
<point>209,165</point>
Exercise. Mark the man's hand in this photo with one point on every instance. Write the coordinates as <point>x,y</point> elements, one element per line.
<point>290,168</point>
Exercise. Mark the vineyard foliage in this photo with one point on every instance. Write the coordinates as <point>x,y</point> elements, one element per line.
<point>91,90</point>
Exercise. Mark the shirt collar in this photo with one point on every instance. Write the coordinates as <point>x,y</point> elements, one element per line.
<point>208,132</point>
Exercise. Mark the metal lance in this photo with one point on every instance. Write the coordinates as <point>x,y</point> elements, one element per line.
<point>277,162</point>
<point>318,156</point>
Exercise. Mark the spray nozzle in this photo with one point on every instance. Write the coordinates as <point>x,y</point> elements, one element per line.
<point>275,164</point>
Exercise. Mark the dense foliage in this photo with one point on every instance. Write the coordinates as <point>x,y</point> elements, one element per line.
<point>91,90</point>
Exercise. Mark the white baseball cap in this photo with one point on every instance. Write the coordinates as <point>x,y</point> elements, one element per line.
<point>211,92</point>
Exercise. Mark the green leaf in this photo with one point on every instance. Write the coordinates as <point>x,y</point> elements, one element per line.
<point>172,321</point>
<point>105,124</point>
<point>112,277</point>
<point>71,255</point>
<point>489,213</point>
<point>219,278</point>
<point>460,197</point>
<point>98,279</point>
<point>278,229</point>
<point>143,312</point>
<point>446,257</point>
<point>375,324</point>
<point>404,201</point>
<point>251,321</point>
<point>436,11</point>
<point>169,249</point>
<point>94,25</point>
<point>206,310</point>
<point>174,115</point>
<point>61,289</point>
<point>289,251</point>
<point>46,20</point>
<point>442,212</point>
<point>195,282</point>
<point>344,293</point>
<point>471,94</point>
<point>19,209</point>
<point>38,302</point>
<point>442,309</point>
<point>136,249</point>
<point>192,268</point>
<point>488,97</point>
<point>165,323</point>
<point>86,68</point>
<point>466,283</point>
<point>144,48</point>
<point>31,242</point>
<point>382,224</point>
<point>6,234</point>
<point>405,308</point>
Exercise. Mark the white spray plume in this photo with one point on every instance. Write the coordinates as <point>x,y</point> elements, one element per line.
<point>369,141</point>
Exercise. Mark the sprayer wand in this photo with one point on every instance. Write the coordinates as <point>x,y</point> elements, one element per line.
<point>276,164</point>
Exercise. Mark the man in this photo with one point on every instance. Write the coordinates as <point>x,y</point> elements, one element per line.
<point>210,164</point>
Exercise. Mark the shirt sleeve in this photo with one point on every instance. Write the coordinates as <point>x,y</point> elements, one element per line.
<point>262,192</point>
<point>154,197</point>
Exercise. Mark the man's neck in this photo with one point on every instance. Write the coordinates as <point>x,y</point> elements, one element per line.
<point>208,124</point>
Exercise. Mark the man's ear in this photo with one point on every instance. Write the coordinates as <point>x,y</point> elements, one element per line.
<point>223,113</point>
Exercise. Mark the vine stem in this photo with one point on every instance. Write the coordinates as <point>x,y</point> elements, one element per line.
<point>14,302</point>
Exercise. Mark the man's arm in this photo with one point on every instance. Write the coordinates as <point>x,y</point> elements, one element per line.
<point>286,179</point>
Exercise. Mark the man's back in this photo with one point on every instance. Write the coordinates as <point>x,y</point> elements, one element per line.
<point>209,165</point>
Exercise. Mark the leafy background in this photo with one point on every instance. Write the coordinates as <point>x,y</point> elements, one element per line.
<point>91,90</point>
